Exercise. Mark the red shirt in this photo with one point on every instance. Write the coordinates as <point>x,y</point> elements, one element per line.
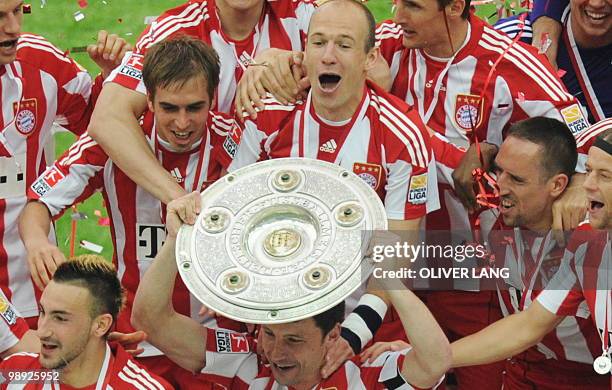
<point>119,371</point>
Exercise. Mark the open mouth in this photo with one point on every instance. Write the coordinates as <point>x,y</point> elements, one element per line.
<point>506,205</point>
<point>48,347</point>
<point>181,135</point>
<point>596,15</point>
<point>329,82</point>
<point>284,367</point>
<point>595,205</point>
<point>8,44</point>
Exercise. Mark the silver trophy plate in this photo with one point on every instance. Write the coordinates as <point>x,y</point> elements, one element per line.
<point>280,240</point>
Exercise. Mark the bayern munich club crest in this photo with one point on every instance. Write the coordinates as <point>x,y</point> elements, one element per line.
<point>370,173</point>
<point>25,116</point>
<point>467,111</point>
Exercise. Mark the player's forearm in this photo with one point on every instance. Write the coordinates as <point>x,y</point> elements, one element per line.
<point>153,301</point>
<point>28,343</point>
<point>114,125</point>
<point>34,224</point>
<point>493,343</point>
<point>180,338</point>
<point>431,355</point>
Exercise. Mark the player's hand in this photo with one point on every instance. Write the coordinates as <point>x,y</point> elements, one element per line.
<point>128,339</point>
<point>43,260</point>
<point>206,311</point>
<point>182,210</point>
<point>546,34</point>
<point>375,350</point>
<point>569,209</point>
<point>108,52</point>
<point>462,175</point>
<point>336,356</point>
<point>276,71</point>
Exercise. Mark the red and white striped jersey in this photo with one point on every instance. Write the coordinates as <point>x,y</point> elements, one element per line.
<point>40,87</point>
<point>232,364</point>
<point>119,371</point>
<point>585,140</point>
<point>283,25</point>
<point>12,325</point>
<point>449,96</point>
<point>136,216</point>
<point>584,280</point>
<point>385,143</point>
<point>533,260</point>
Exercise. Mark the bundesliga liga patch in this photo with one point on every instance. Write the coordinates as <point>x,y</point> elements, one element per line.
<point>44,183</point>
<point>231,141</point>
<point>7,312</point>
<point>228,342</point>
<point>574,119</point>
<point>133,67</point>
<point>417,194</point>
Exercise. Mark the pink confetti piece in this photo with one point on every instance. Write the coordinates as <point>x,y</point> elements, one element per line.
<point>561,73</point>
<point>83,3</point>
<point>104,221</point>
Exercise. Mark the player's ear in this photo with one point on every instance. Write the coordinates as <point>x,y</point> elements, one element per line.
<point>372,58</point>
<point>332,336</point>
<point>102,324</point>
<point>455,8</point>
<point>557,184</point>
<point>150,102</point>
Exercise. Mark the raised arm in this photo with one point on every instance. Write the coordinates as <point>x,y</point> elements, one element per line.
<point>492,344</point>
<point>114,125</point>
<point>430,356</point>
<point>181,338</point>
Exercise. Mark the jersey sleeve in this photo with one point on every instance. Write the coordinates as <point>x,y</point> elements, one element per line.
<point>534,89</point>
<point>585,140</point>
<point>562,296</point>
<point>186,19</point>
<point>12,325</point>
<point>303,13</point>
<point>411,188</point>
<point>230,358</point>
<point>73,82</point>
<point>390,43</point>
<point>249,140</point>
<point>74,177</point>
<point>513,25</point>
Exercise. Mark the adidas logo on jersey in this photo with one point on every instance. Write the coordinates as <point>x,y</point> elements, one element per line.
<point>176,174</point>
<point>329,147</point>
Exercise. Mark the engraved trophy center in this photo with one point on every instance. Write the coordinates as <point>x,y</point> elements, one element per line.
<point>282,243</point>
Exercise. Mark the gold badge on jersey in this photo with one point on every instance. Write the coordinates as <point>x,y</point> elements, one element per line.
<point>370,173</point>
<point>468,111</point>
<point>25,115</point>
<point>7,312</point>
